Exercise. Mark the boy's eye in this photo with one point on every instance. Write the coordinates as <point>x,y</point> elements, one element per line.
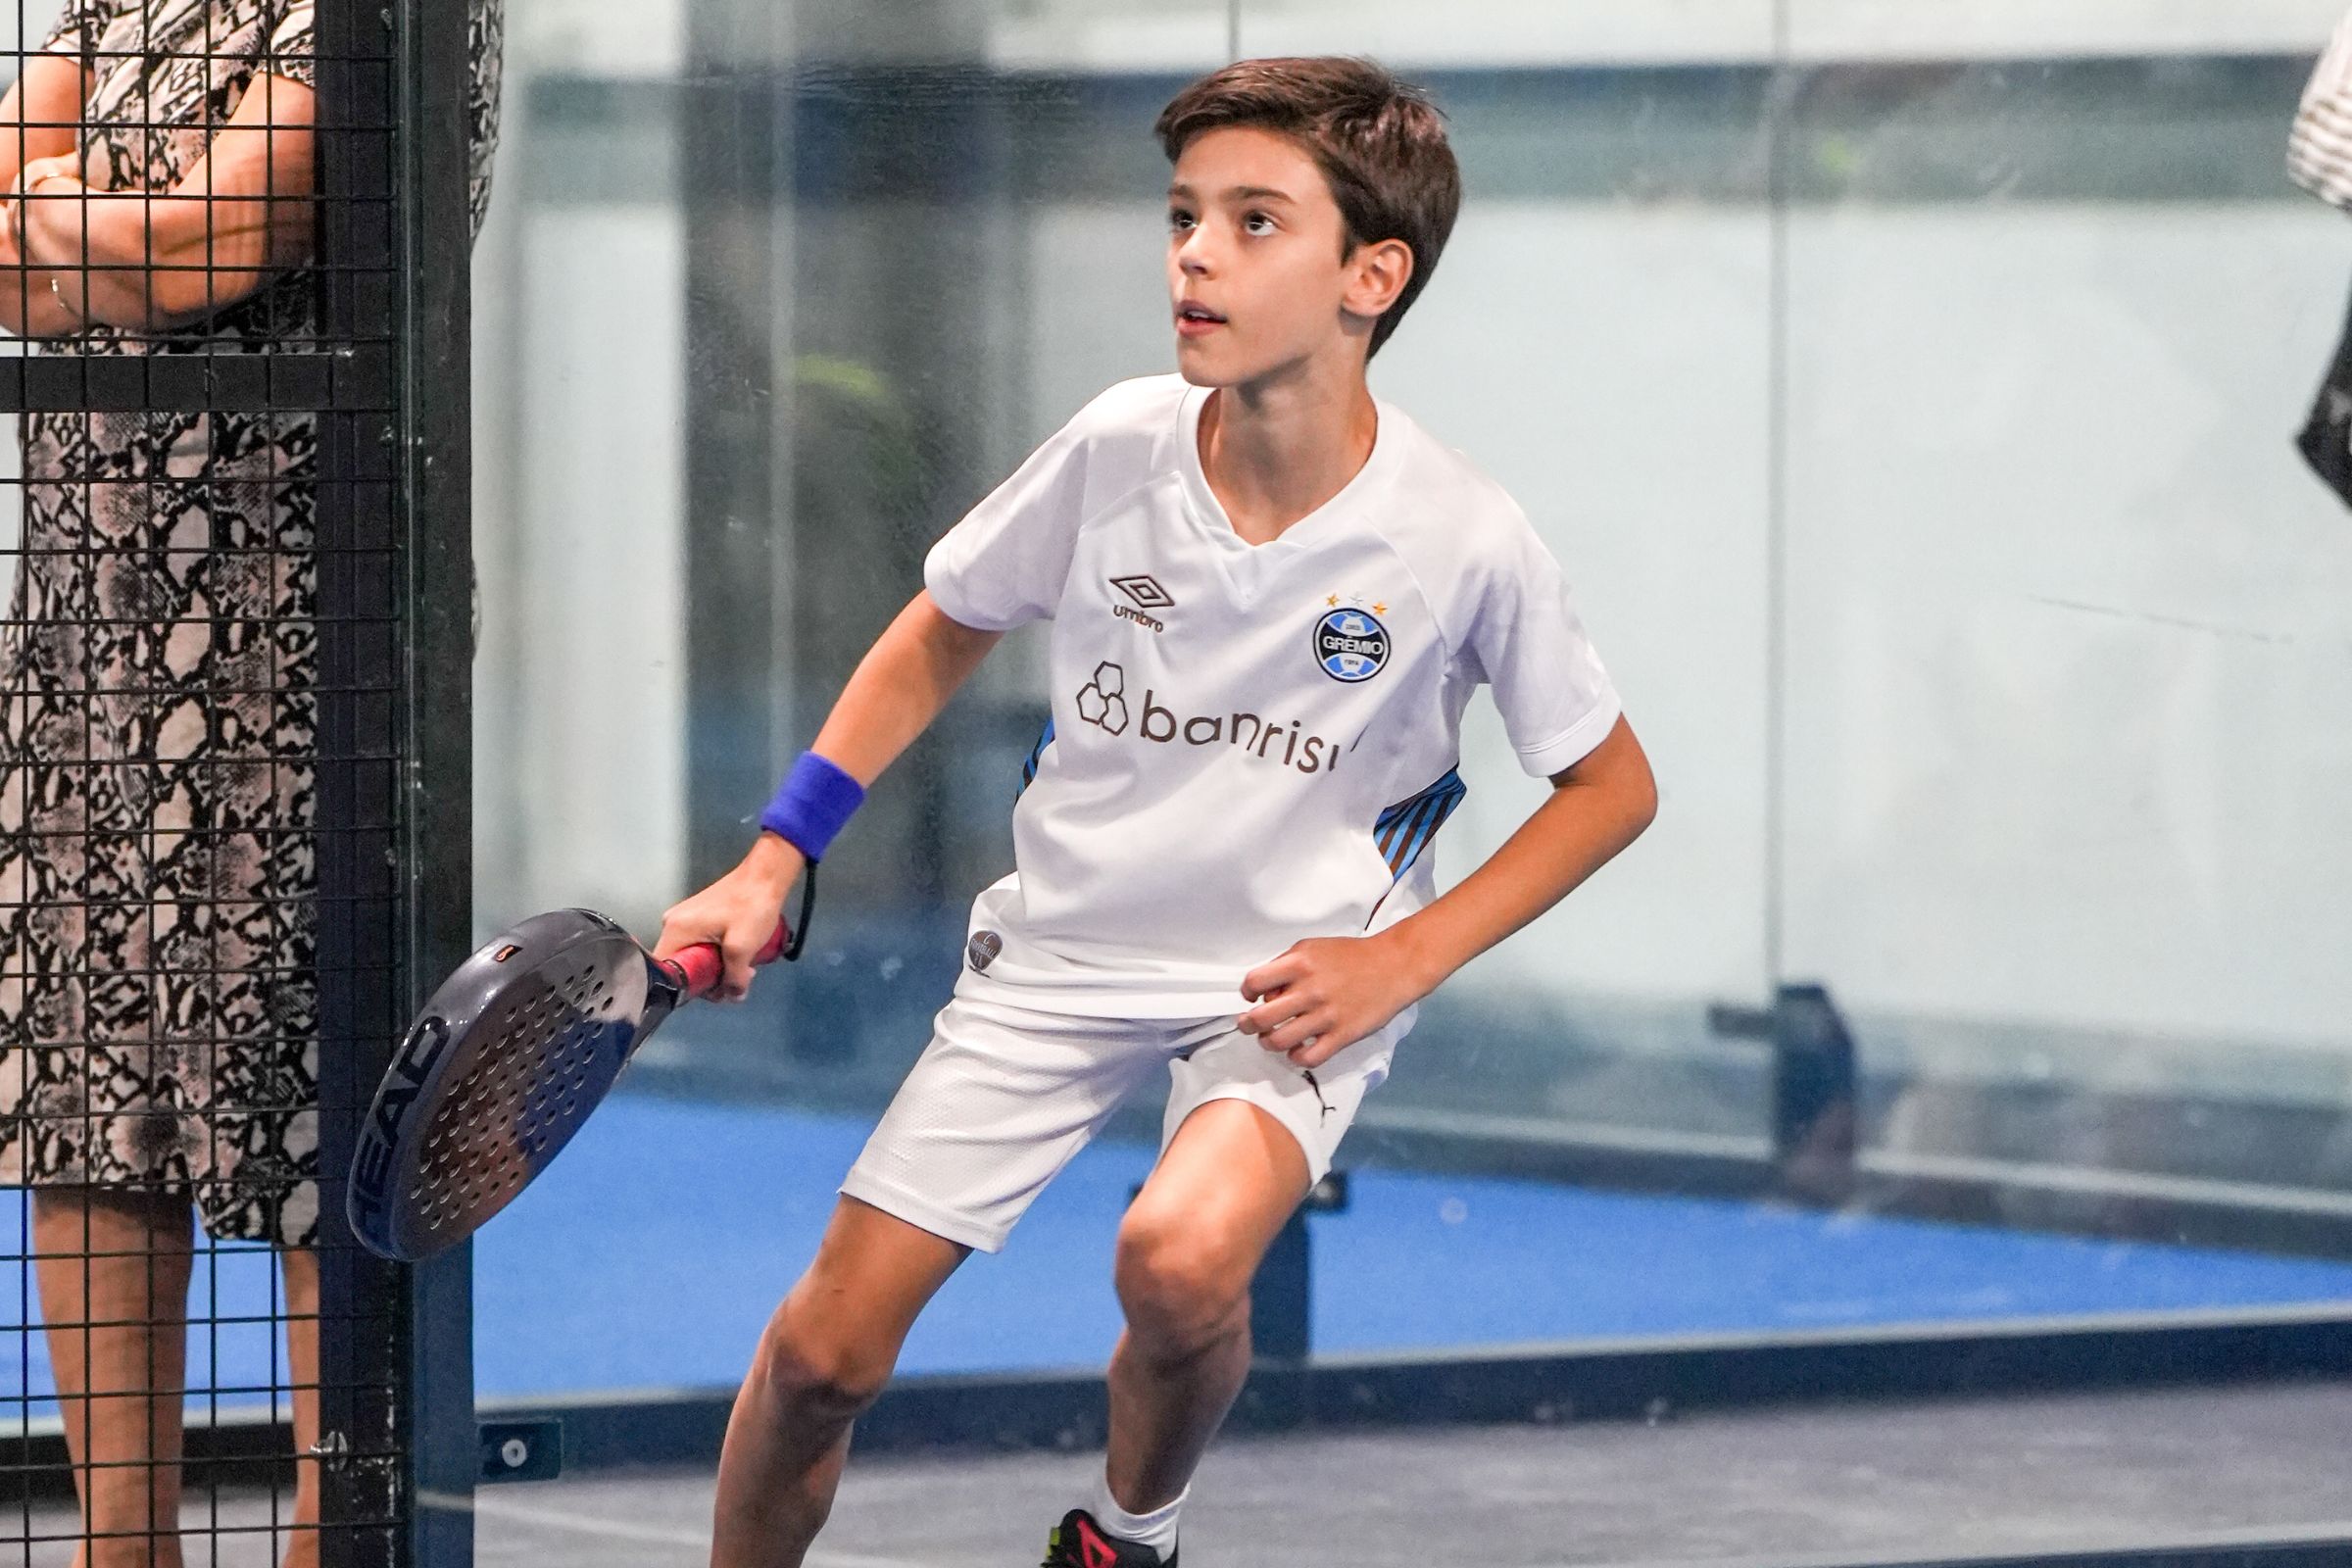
<point>1258,224</point>
<point>1178,218</point>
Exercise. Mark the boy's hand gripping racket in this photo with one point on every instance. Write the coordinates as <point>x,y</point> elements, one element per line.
<point>506,1063</point>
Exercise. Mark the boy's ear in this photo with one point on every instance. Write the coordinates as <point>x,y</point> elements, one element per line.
<point>1378,273</point>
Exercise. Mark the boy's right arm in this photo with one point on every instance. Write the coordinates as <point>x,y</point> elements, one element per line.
<point>905,679</point>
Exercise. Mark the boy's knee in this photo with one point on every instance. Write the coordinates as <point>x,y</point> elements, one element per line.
<point>1181,1289</point>
<point>829,1375</point>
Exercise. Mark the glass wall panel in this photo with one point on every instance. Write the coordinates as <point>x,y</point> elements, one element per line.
<point>2064,773</point>
<point>1906,390</point>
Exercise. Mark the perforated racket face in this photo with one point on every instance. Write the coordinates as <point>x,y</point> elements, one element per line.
<point>506,1063</point>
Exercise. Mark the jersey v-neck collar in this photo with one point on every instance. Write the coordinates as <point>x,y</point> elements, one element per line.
<point>1207,513</point>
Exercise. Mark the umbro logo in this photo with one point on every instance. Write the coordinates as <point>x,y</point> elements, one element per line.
<point>1148,595</point>
<point>1144,590</point>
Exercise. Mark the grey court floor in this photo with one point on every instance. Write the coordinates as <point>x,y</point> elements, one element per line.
<point>1793,1488</point>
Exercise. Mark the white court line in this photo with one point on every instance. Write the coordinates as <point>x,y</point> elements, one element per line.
<point>651,1535</point>
<point>655,1534</point>
<point>2059,1551</point>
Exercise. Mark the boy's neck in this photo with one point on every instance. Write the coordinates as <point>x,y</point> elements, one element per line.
<point>1275,450</point>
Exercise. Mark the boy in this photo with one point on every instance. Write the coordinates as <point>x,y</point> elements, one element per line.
<point>1271,596</point>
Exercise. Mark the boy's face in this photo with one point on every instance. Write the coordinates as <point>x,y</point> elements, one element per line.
<point>1259,273</point>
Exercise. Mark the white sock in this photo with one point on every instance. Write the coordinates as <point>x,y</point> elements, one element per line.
<point>1156,1529</point>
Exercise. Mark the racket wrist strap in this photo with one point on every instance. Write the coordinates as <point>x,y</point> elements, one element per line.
<point>812,804</point>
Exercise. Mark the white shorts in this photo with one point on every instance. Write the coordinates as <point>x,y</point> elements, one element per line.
<point>1003,1097</point>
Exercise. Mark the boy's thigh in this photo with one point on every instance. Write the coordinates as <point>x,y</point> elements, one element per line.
<point>872,1278</point>
<point>1224,1186</point>
<point>1315,1105</point>
<point>998,1102</point>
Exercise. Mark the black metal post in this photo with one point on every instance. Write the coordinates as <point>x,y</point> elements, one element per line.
<point>394,810</point>
<point>438,613</point>
<point>358,763</point>
<point>1814,1105</point>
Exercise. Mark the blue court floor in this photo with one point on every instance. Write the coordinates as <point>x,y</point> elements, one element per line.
<point>652,1253</point>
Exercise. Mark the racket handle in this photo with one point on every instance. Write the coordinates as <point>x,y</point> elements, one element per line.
<point>700,966</point>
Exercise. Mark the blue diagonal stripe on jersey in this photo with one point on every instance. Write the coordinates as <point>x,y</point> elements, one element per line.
<point>1036,754</point>
<point>1404,829</point>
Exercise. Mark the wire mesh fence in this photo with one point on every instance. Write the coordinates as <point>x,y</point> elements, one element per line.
<point>212,749</point>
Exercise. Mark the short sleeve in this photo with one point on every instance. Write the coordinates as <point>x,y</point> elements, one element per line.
<point>1556,701</point>
<point>293,51</point>
<point>1005,565</point>
<point>79,28</point>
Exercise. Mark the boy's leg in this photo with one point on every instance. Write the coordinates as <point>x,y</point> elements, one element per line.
<point>1190,1242</point>
<point>822,1360</point>
<point>997,1103</point>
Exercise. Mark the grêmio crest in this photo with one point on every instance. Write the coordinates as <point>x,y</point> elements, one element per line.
<point>1350,644</point>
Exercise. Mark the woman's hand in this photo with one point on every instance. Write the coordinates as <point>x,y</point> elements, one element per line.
<point>65,166</point>
<point>48,210</point>
<point>47,198</point>
<point>1326,994</point>
<point>31,177</point>
<point>41,115</point>
<point>739,912</point>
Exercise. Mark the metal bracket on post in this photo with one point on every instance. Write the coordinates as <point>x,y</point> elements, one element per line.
<point>1813,1089</point>
<point>1281,1292</point>
<point>521,1451</point>
<point>1281,1311</point>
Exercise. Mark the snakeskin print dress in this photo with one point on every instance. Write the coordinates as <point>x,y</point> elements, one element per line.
<point>158,711</point>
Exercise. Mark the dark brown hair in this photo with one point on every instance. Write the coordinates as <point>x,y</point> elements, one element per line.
<point>1381,143</point>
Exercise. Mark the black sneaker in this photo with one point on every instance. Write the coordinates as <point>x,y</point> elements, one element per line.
<point>1079,1542</point>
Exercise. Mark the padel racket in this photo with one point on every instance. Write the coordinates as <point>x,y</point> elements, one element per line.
<point>507,1060</point>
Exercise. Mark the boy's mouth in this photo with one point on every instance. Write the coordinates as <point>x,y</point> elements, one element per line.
<point>1194,317</point>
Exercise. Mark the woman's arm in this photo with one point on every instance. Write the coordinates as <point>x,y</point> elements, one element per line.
<point>896,690</point>
<point>151,260</point>
<point>39,118</point>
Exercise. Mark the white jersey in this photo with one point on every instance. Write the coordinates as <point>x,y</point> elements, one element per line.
<point>1250,744</point>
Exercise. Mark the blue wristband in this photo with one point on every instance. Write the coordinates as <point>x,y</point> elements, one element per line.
<point>810,805</point>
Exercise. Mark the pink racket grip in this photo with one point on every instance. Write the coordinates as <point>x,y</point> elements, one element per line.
<point>702,965</point>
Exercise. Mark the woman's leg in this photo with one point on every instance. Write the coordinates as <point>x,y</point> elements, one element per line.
<point>113,1268</point>
<point>300,1267</point>
<point>823,1359</point>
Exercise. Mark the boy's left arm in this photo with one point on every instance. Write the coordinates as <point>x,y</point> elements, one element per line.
<point>1327,993</point>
